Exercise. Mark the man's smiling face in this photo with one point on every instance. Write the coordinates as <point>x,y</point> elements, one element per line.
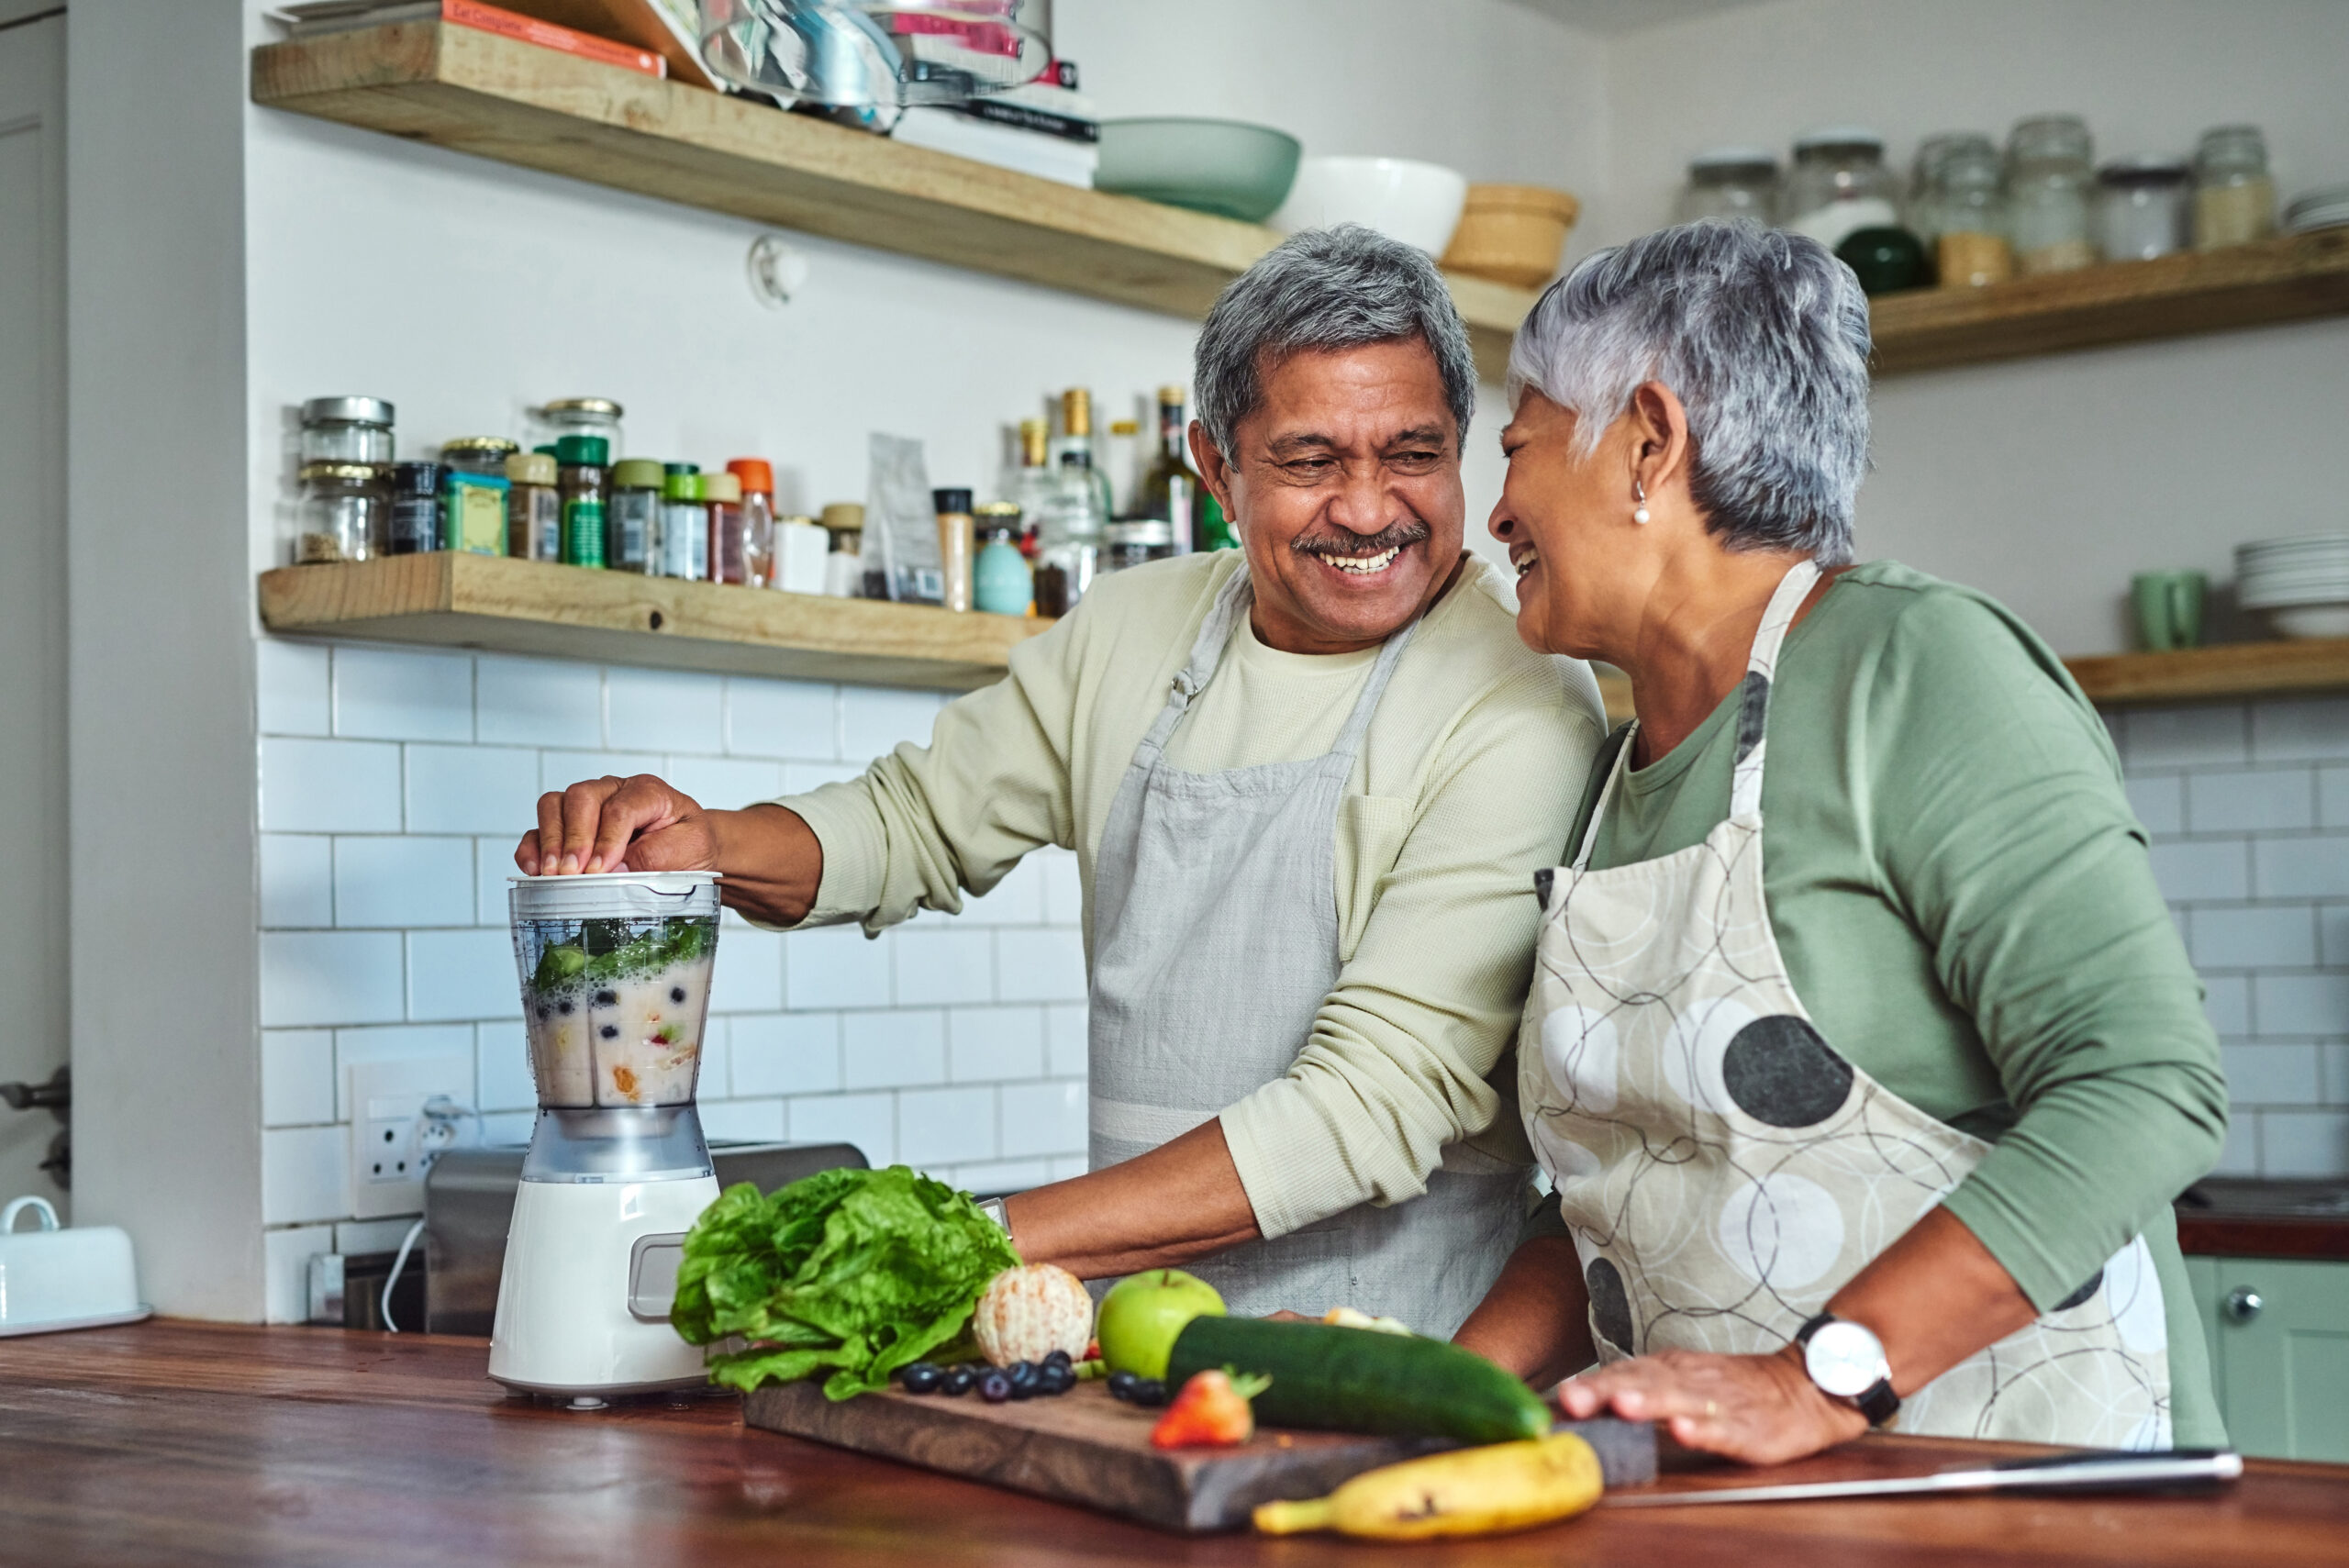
<point>1345,485</point>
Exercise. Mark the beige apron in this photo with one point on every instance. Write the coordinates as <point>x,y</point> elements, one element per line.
<point>1215,940</point>
<point>1724,1172</point>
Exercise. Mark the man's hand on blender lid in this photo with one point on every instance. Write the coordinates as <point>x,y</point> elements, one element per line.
<point>614,824</point>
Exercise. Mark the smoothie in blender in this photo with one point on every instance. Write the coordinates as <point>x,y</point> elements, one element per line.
<point>613,1008</point>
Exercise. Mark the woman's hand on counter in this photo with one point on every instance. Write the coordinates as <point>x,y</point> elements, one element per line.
<point>771,860</point>
<point>1757,1409</point>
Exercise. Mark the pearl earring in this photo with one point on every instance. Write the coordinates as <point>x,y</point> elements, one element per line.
<point>1640,493</point>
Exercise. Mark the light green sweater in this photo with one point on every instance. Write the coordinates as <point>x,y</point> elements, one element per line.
<point>1968,911</point>
<point>1462,790</point>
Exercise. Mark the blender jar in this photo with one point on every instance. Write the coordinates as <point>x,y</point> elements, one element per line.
<point>614,974</point>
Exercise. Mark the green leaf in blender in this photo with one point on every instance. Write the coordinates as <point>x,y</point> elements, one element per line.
<point>558,966</point>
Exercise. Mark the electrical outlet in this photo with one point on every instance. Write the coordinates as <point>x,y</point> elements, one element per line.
<point>392,1143</point>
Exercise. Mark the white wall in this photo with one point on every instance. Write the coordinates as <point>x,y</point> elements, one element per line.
<point>2048,481</point>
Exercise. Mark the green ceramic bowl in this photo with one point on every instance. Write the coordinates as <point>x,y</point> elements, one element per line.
<point>1225,167</point>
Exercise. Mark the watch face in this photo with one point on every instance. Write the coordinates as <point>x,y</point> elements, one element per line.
<point>1844,1359</point>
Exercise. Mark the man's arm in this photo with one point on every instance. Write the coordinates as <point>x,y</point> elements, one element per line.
<point>1183,1200</point>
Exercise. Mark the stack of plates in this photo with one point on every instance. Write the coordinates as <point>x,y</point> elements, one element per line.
<point>2301,584</point>
<point>2318,209</point>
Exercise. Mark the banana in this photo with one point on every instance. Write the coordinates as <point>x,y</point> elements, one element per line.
<point>1477,1491</point>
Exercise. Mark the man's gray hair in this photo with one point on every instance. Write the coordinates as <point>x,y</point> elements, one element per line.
<point>1326,290</point>
<point>1764,337</point>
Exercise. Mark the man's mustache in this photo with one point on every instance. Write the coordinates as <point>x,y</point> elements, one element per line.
<point>1396,536</point>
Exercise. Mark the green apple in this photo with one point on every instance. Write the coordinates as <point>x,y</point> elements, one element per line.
<point>1142,1313</point>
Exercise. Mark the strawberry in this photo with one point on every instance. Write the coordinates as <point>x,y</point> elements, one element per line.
<point>1212,1411</point>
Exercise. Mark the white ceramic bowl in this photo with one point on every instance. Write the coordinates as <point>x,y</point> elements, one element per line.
<point>2310,620</point>
<point>1417,203</point>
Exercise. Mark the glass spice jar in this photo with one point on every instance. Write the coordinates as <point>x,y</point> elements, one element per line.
<point>2048,180</point>
<point>412,512</point>
<point>1731,182</point>
<point>472,494</point>
<point>1925,178</point>
<point>684,524</point>
<point>583,480</point>
<point>533,507</point>
<point>2141,207</point>
<point>632,530</point>
<point>562,416</point>
<point>2234,197</point>
<point>1971,248</point>
<point>727,557</point>
<point>1839,183</point>
<point>346,429</point>
<point>341,513</point>
<point>1136,543</point>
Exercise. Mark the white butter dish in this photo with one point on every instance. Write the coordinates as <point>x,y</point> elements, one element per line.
<point>58,1277</point>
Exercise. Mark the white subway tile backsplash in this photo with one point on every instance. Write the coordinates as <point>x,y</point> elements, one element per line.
<point>1068,1167</point>
<point>492,865</point>
<point>537,702</point>
<point>2300,1004</point>
<point>945,1126</point>
<point>383,693</point>
<point>988,1045</point>
<point>329,977</point>
<point>502,1068</point>
<point>471,789</point>
<point>329,786</point>
<point>717,1059</point>
<point>464,974</point>
<point>874,720</point>
<point>297,881</point>
<point>2302,868</point>
<point>2272,936</point>
<point>743,1121</point>
<point>2303,1143</point>
<point>294,687</point>
<point>836,966</point>
<point>304,1174</point>
<point>2239,1155</point>
<point>296,1077</point>
<point>2315,729</point>
<point>2201,871</point>
<point>749,976</point>
<point>560,770</point>
<point>2268,1074</point>
<point>2332,797</point>
<point>402,881</point>
<point>887,1050</point>
<point>989,1177</point>
<point>1067,1052</point>
<point>2251,800</point>
<point>405,1042</point>
<point>507,1129</point>
<point>2332,1072</point>
<point>783,719</point>
<point>2159,801</point>
<point>664,710</point>
<point>944,965</point>
<point>2185,737</point>
<point>1040,964</point>
<point>786,1053</point>
<point>1063,889</point>
<point>869,1121</point>
<point>725,783</point>
<point>2226,1002</point>
<point>800,778</point>
<point>1017,900</point>
<point>1043,1119</point>
<point>286,1269</point>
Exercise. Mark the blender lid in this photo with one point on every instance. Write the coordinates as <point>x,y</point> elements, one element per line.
<point>626,894</point>
<point>658,881</point>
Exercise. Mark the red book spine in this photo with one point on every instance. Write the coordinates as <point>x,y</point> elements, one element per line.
<point>548,35</point>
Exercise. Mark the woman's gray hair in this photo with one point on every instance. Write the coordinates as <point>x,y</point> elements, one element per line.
<point>1321,291</point>
<point>1764,337</point>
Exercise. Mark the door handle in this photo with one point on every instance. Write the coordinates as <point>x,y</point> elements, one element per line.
<point>2241,1305</point>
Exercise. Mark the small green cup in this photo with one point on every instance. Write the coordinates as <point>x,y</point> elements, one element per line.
<point>2169,608</point>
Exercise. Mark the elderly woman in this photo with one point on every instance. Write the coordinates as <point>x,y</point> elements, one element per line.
<point>1880,1127</point>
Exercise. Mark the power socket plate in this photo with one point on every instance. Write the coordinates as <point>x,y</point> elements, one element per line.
<point>391,1144</point>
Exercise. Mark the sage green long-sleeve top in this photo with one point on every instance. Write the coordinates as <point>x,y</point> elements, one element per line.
<point>1460,792</point>
<point>1968,913</point>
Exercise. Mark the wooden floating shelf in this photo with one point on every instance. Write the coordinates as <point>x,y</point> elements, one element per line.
<point>477,93</point>
<point>2231,669</point>
<point>2294,277</point>
<point>569,612</point>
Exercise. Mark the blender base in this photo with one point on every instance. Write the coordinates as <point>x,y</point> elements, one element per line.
<point>565,1324</point>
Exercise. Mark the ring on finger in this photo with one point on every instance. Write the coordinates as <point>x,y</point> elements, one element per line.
<point>1711,1409</point>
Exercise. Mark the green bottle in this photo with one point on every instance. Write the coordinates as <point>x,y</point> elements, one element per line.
<point>584,478</point>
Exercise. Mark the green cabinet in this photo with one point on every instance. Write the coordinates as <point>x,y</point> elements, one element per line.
<point>2279,1353</point>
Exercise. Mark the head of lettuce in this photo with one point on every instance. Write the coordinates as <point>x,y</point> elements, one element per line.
<point>858,1272</point>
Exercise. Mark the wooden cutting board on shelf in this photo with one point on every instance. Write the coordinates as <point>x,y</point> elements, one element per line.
<point>1087,1449</point>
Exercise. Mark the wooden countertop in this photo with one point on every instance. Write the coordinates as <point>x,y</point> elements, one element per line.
<point>183,1443</point>
<point>2234,1217</point>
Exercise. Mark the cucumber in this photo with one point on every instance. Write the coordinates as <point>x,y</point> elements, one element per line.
<point>1361,1379</point>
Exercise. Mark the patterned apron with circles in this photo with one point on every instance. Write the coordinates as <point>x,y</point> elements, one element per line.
<point>1215,940</point>
<point>1724,1172</point>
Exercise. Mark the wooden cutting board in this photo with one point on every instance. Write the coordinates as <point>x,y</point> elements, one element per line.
<point>1085,1447</point>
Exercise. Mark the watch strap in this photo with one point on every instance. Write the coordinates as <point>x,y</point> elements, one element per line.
<point>1877,1401</point>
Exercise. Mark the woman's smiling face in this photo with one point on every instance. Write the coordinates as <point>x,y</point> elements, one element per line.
<point>1559,510</point>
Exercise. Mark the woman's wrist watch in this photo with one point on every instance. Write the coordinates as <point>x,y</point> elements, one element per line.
<point>1847,1362</point>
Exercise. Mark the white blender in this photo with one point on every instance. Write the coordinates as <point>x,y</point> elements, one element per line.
<point>615,993</point>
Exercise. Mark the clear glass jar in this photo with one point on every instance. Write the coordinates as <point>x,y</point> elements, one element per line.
<point>1971,248</point>
<point>533,507</point>
<point>1838,184</point>
<point>342,513</point>
<point>2142,208</point>
<point>412,513</point>
<point>2234,198</point>
<point>1731,182</point>
<point>346,429</point>
<point>472,494</point>
<point>1136,543</point>
<point>728,552</point>
<point>1925,176</point>
<point>632,526</point>
<point>2048,180</point>
<point>561,417</point>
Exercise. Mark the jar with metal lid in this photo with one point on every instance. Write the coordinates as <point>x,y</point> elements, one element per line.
<point>2048,181</point>
<point>472,494</point>
<point>533,507</point>
<point>412,512</point>
<point>561,417</point>
<point>583,480</point>
<point>1969,208</point>
<point>342,513</point>
<point>1136,543</point>
<point>632,523</point>
<point>2234,197</point>
<point>1839,183</point>
<point>346,429</point>
<point>1731,182</point>
<point>1932,154</point>
<point>2142,208</point>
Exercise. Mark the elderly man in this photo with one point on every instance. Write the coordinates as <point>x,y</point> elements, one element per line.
<point>1308,784</point>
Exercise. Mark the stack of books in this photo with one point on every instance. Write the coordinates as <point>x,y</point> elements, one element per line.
<point>317,18</point>
<point>1046,129</point>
